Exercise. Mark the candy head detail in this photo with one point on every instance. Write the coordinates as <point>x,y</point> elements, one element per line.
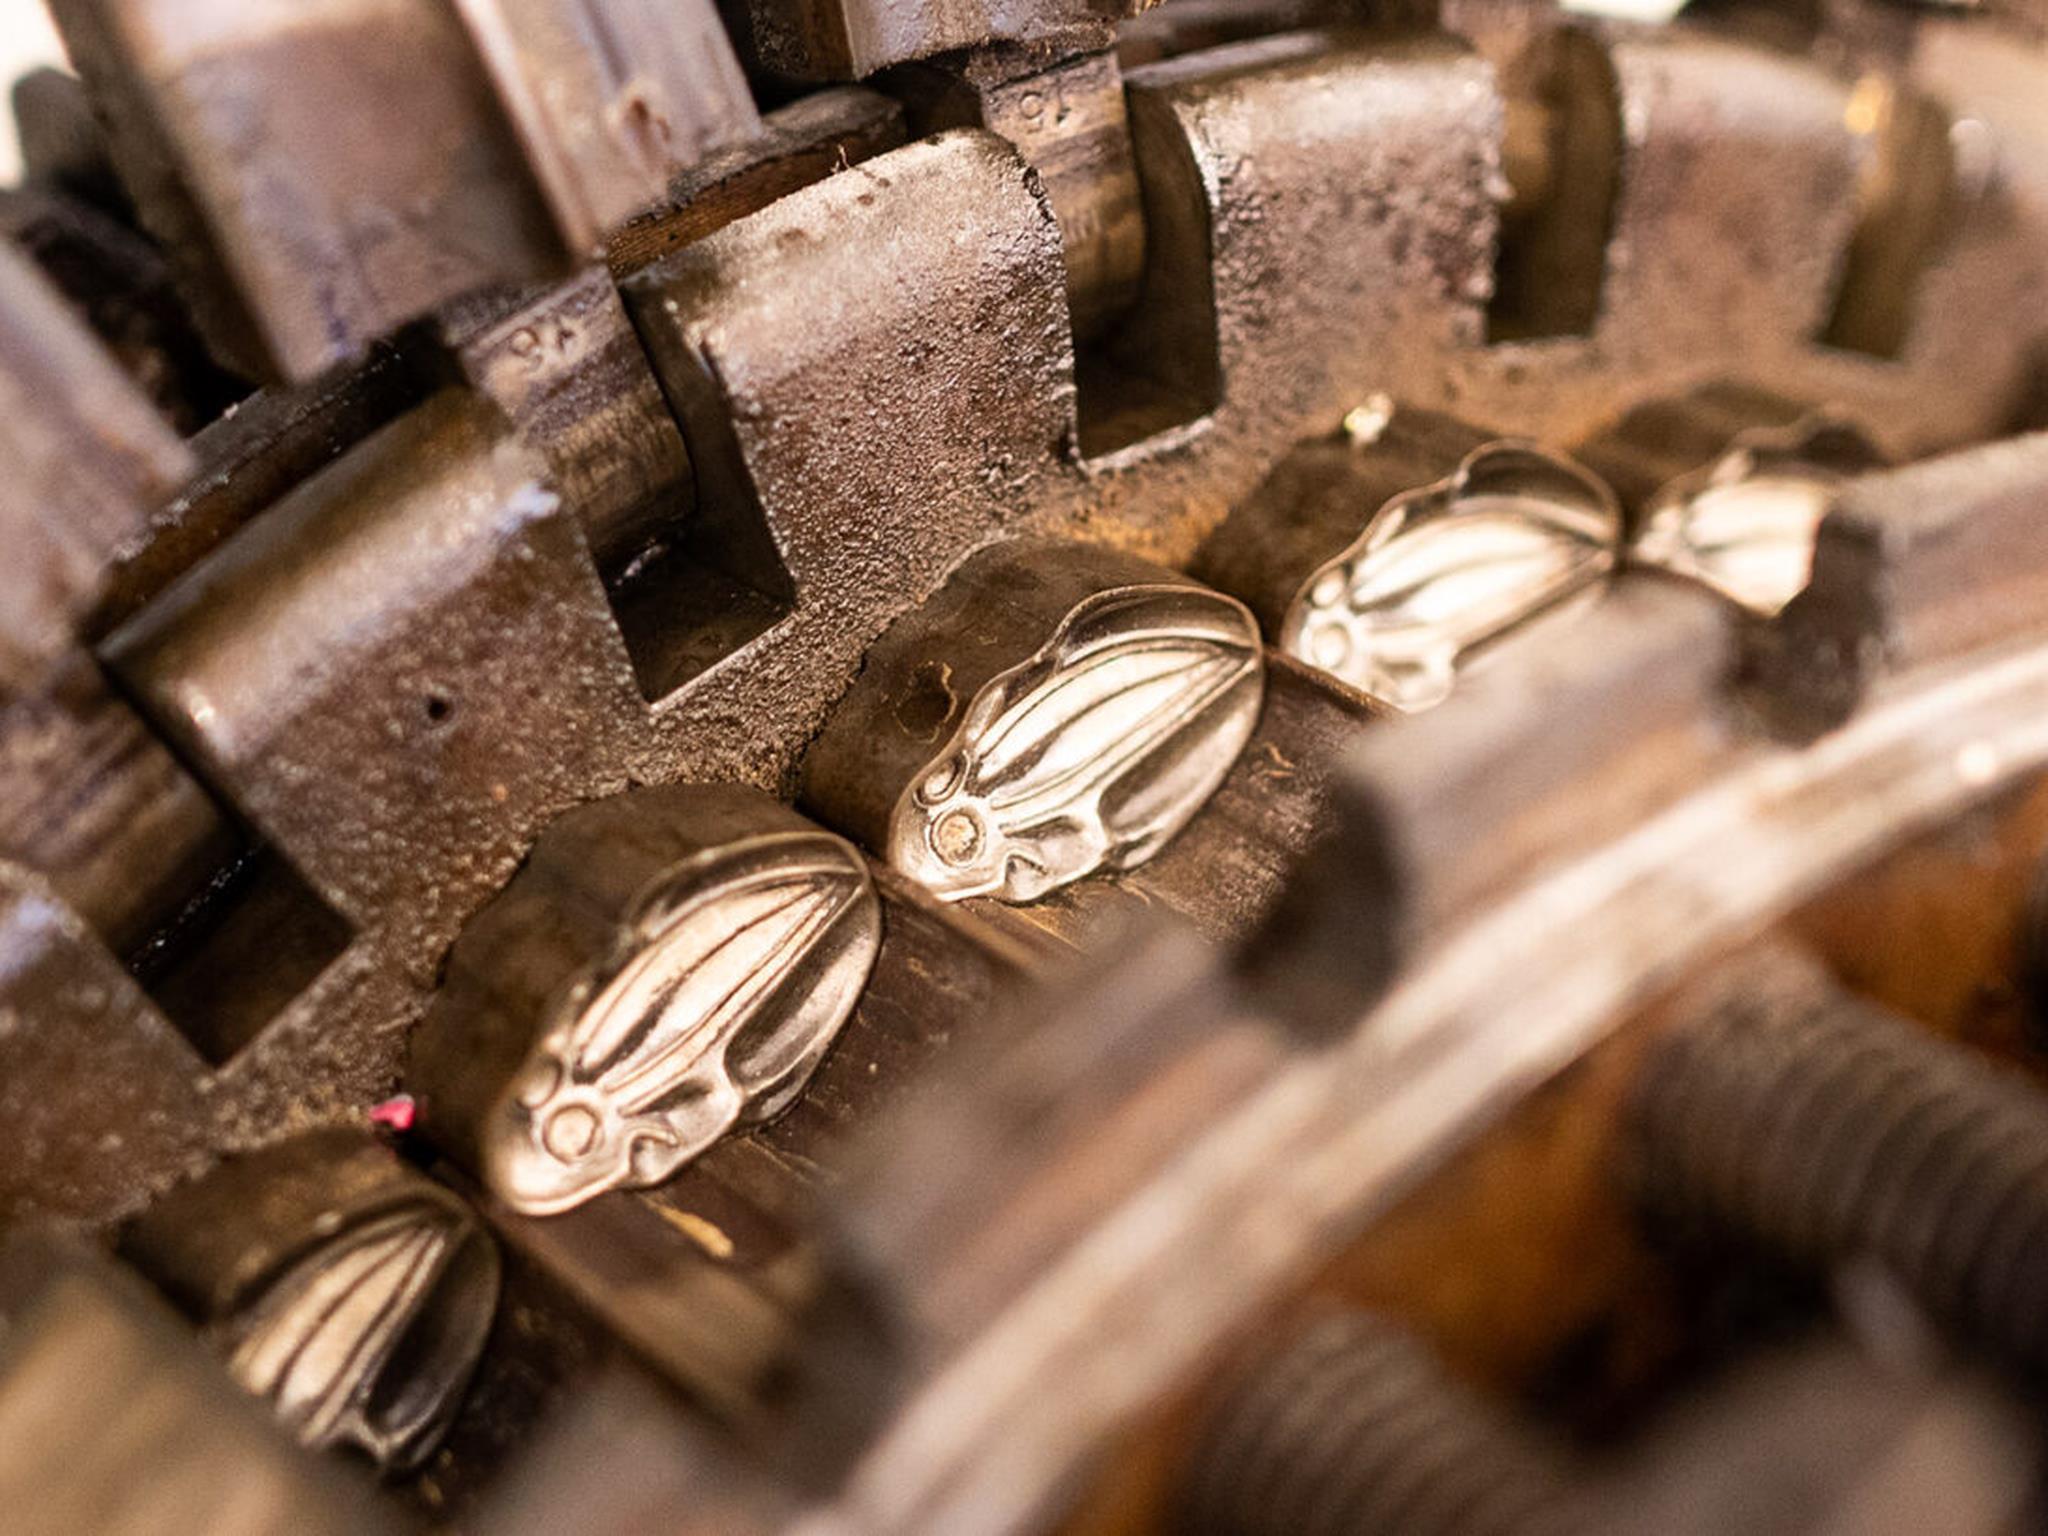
<point>721,994</point>
<point>1440,571</point>
<point>1089,755</point>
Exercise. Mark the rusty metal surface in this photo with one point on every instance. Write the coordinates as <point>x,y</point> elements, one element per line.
<point>799,143</point>
<point>609,100</point>
<point>751,706</point>
<point>851,39</point>
<point>297,274</point>
<point>88,458</point>
<point>1066,117</point>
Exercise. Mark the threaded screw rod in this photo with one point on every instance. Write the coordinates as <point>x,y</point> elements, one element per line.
<point>1786,1110</point>
<point>1352,1429</point>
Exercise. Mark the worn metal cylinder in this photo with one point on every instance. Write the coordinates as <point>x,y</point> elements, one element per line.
<point>1352,1429</point>
<point>1828,1129</point>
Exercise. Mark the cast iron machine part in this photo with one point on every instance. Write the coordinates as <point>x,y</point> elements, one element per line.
<point>814,767</point>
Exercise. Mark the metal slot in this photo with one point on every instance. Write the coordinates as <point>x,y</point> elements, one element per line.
<point>234,955</point>
<point>1156,367</point>
<point>1561,154</point>
<point>682,609</point>
<point>1905,206</point>
<point>711,579</point>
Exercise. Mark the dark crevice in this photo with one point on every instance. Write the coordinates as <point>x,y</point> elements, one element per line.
<point>1562,155</point>
<point>1156,367</point>
<point>711,579</point>
<point>1905,204</point>
<point>248,941</point>
<point>235,937</point>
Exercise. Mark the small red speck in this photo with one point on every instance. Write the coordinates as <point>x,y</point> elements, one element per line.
<point>395,1114</point>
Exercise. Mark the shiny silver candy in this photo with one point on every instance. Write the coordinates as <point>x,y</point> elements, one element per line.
<point>722,992</point>
<point>1745,524</point>
<point>1092,753</point>
<point>1438,572</point>
<point>368,1339</point>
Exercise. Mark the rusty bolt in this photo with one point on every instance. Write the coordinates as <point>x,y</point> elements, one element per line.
<point>1350,1429</point>
<point>1787,1111</point>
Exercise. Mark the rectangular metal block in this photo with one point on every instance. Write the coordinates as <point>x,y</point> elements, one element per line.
<point>87,797</point>
<point>1313,149</point>
<point>1941,559</point>
<point>87,460</point>
<point>872,377</point>
<point>610,98</point>
<point>1466,801</point>
<point>422,610</point>
<point>258,140</point>
<point>91,799</point>
<point>805,141</point>
<point>851,39</point>
<point>1283,208</point>
<point>1066,117</point>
